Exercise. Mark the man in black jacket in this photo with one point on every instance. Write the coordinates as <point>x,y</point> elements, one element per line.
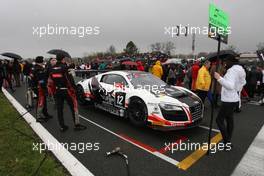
<point>4,75</point>
<point>39,77</point>
<point>64,90</point>
<point>26,70</point>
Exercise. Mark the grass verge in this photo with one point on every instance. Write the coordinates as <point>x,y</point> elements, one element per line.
<point>17,156</point>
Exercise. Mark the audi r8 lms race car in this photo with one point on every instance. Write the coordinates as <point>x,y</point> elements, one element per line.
<point>142,98</point>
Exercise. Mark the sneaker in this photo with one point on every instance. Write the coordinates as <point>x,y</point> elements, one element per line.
<point>79,127</point>
<point>64,128</point>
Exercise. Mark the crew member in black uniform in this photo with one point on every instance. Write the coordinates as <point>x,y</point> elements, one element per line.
<point>64,90</point>
<point>4,68</point>
<point>39,77</point>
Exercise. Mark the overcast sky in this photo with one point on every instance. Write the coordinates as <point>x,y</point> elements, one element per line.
<point>120,21</point>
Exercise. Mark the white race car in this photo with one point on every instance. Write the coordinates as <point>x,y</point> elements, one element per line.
<point>142,98</point>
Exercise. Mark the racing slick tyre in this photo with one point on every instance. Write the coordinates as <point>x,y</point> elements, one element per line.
<point>80,95</point>
<point>137,112</point>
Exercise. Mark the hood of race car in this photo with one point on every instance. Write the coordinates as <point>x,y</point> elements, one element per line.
<point>177,95</point>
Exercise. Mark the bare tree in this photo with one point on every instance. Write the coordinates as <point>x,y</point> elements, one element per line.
<point>168,47</point>
<point>156,46</point>
<point>111,49</point>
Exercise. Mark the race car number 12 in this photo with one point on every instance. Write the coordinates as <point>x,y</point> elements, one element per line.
<point>120,99</point>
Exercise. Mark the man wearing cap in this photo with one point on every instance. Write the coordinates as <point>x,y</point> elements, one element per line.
<point>64,90</point>
<point>39,77</point>
<point>232,84</point>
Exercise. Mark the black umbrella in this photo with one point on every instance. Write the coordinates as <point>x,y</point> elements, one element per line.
<point>59,51</point>
<point>12,55</point>
<point>222,55</point>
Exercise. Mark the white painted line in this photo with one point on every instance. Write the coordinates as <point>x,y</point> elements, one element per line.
<point>207,128</point>
<point>73,165</point>
<point>160,155</point>
<point>252,162</point>
<point>166,158</point>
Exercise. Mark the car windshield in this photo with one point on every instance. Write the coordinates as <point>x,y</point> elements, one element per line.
<point>145,79</point>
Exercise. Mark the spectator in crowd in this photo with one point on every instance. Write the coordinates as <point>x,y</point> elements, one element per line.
<point>16,72</point>
<point>88,66</point>
<point>94,66</point>
<point>259,80</point>
<point>262,87</point>
<point>157,69</point>
<point>26,70</point>
<point>203,81</point>
<point>232,84</point>
<point>71,70</point>
<point>188,77</point>
<point>83,66</point>
<point>109,66</point>
<point>10,71</point>
<point>172,75</point>
<point>166,69</point>
<point>179,75</point>
<point>195,69</point>
<point>6,74</point>
<point>102,66</point>
<point>216,93</point>
<point>140,66</point>
<point>22,73</point>
<point>132,67</point>
<point>253,78</point>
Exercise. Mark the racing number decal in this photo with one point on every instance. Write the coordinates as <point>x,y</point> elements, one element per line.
<point>120,99</point>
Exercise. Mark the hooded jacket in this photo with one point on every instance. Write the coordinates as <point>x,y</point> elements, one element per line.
<point>203,81</point>
<point>232,84</point>
<point>157,70</point>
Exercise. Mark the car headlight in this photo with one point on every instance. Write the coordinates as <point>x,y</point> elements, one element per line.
<point>170,107</point>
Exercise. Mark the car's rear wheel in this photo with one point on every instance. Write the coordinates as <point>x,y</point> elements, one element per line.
<point>137,112</point>
<point>80,95</point>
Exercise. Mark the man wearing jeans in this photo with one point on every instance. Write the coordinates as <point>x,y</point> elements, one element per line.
<point>232,84</point>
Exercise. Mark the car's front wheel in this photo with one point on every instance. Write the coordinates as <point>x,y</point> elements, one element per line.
<point>137,112</point>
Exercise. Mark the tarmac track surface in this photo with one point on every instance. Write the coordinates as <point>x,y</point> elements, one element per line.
<point>143,146</point>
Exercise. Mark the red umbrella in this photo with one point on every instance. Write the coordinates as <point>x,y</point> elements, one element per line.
<point>130,63</point>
